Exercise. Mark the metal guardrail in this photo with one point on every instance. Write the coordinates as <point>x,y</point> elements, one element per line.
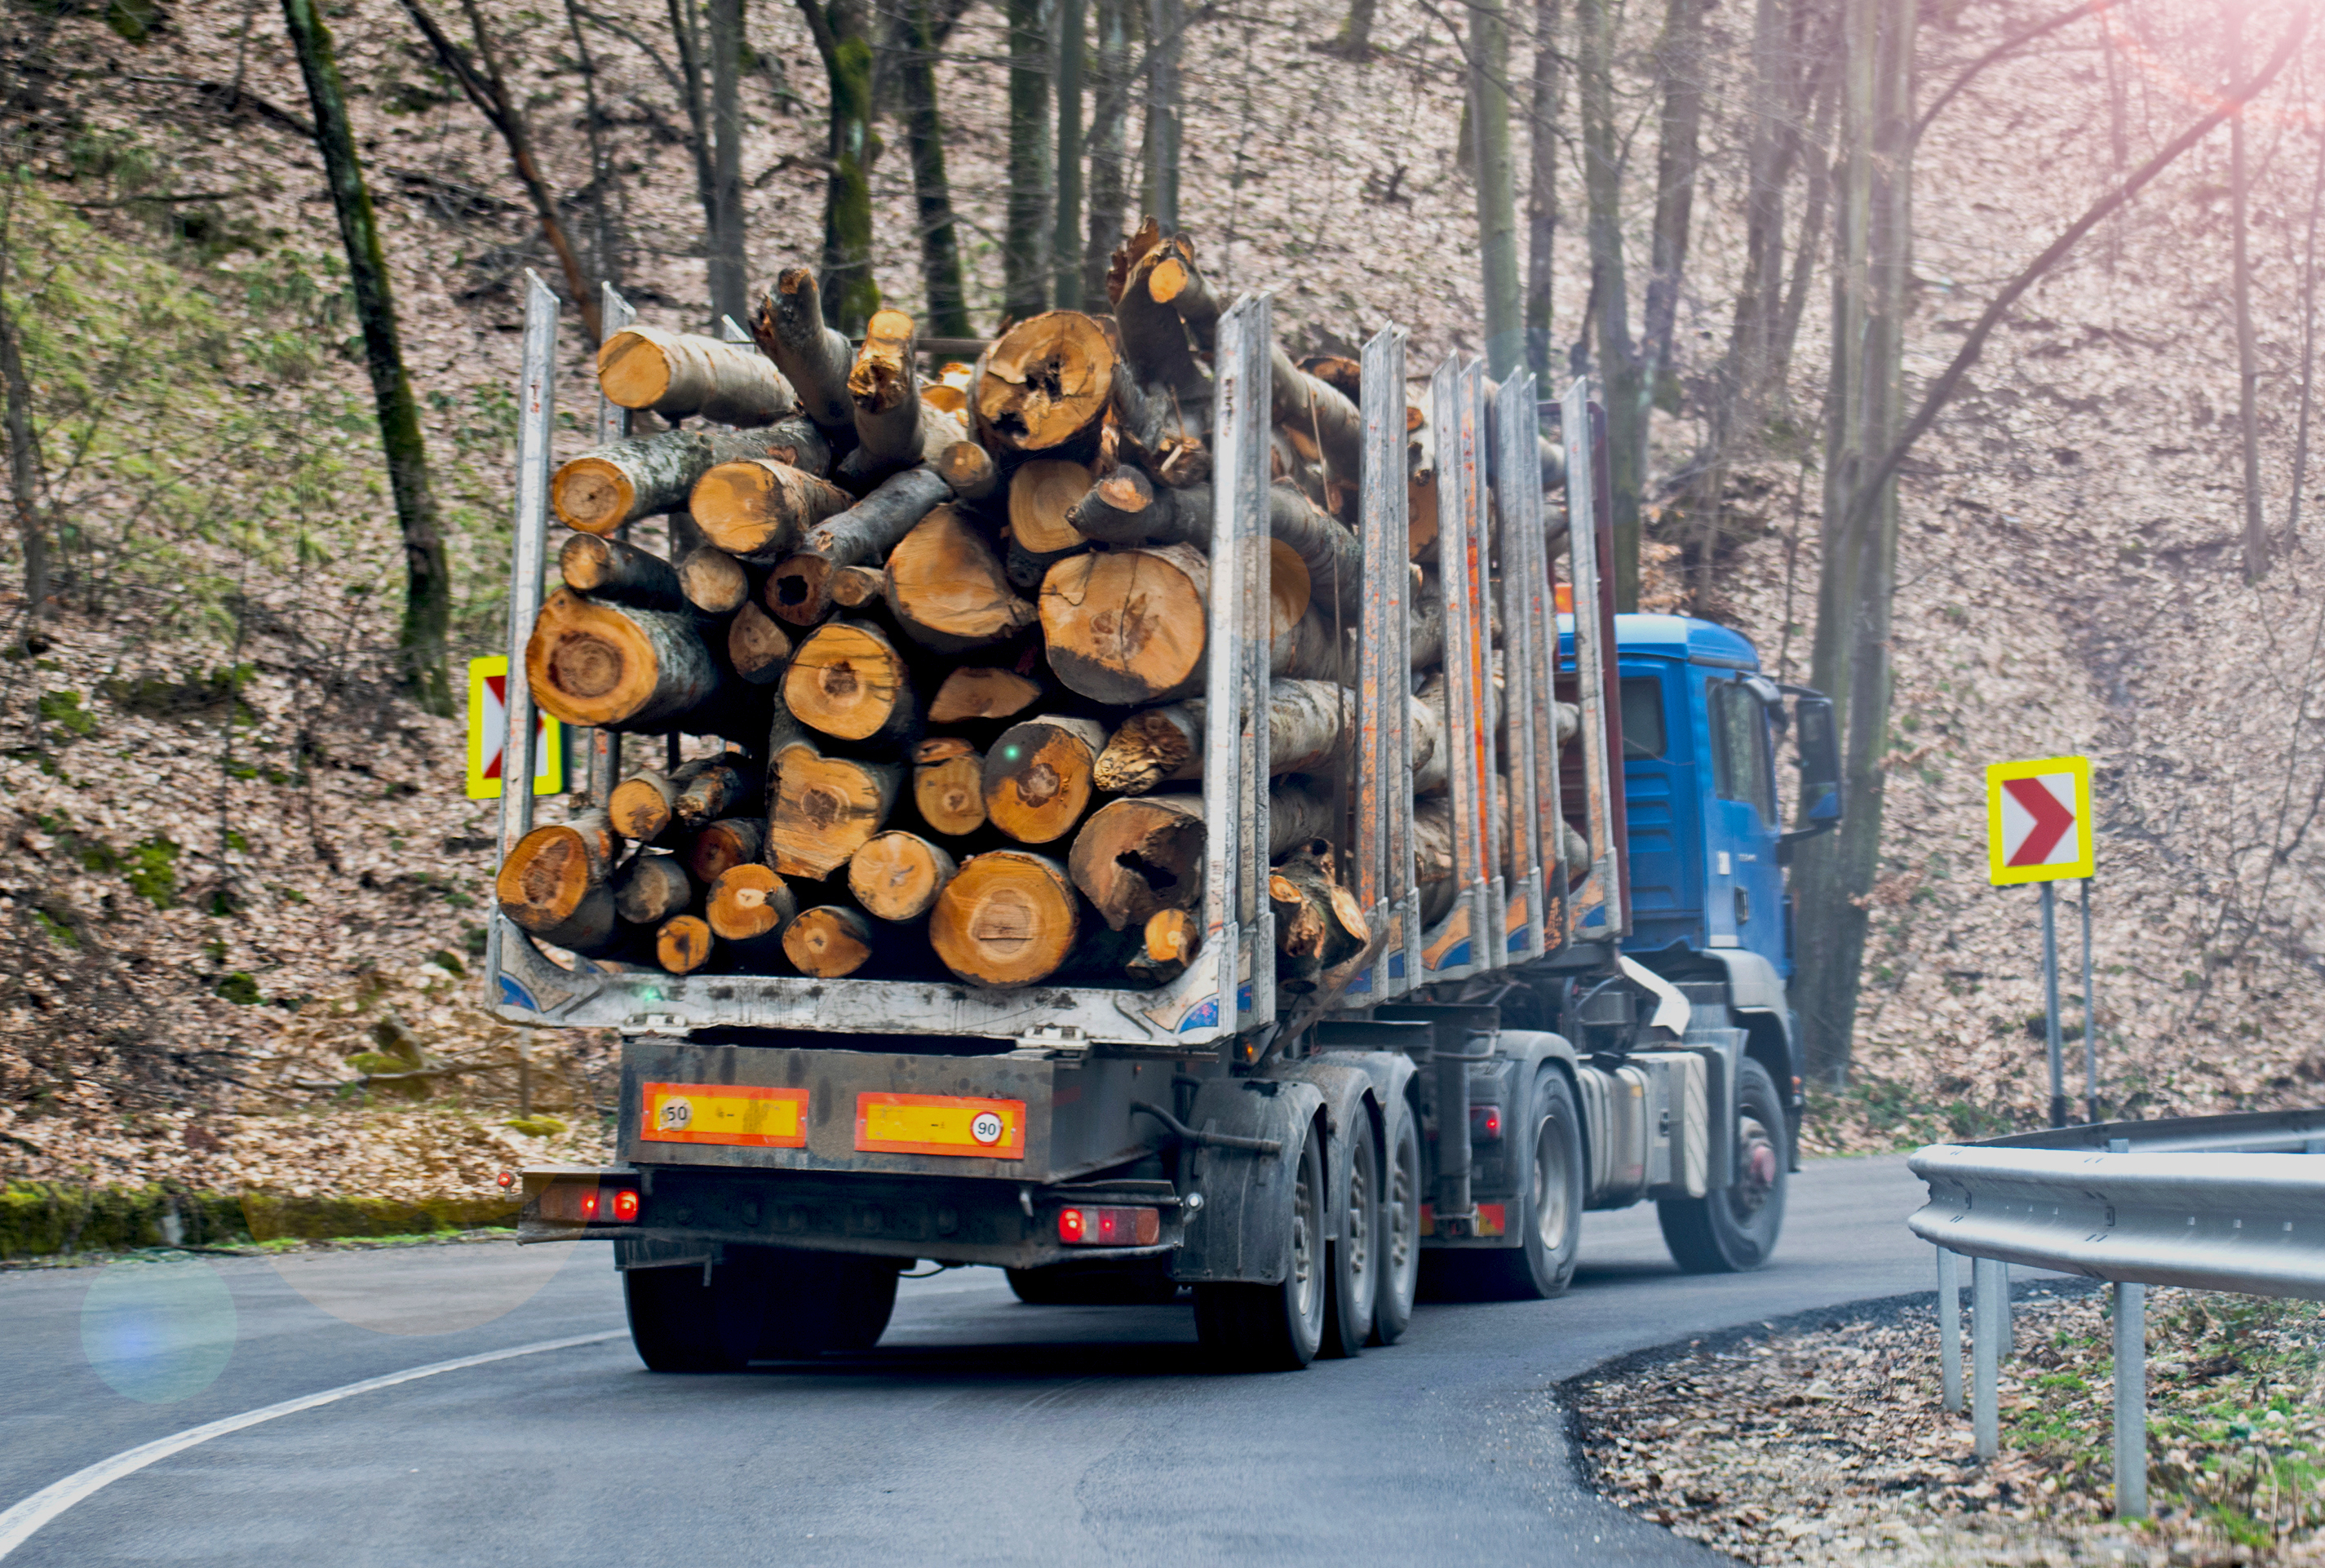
<point>2222,1203</point>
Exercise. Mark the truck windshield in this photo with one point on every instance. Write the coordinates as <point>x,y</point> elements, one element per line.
<point>1643,716</point>
<point>1741,766</point>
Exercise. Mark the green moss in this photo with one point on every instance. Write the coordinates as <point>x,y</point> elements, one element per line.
<point>538,1126</point>
<point>61,934</point>
<point>240,988</point>
<point>42,1220</point>
<point>63,709</point>
<point>153,871</point>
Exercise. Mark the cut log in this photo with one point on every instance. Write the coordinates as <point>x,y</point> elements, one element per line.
<point>847,681</point>
<point>1573,853</point>
<point>1162,431</point>
<point>1319,924</point>
<point>682,944</point>
<point>1318,417</point>
<point>678,374</point>
<point>948,785</point>
<point>720,846</point>
<point>854,587</point>
<point>617,668</point>
<point>1170,940</point>
<point>1342,374</point>
<point>1331,552</point>
<point>593,930</point>
<point>1045,384</point>
<point>714,583</point>
<point>788,326</point>
<point>552,871</point>
<point>1135,857</point>
<point>1432,857</point>
<point>1025,569</point>
<point>757,646</point>
<point>1155,338</point>
<point>747,908</point>
<point>946,588</point>
<point>1308,724</point>
<point>1037,777</point>
<point>1126,627</point>
<point>1295,815</point>
<point>1175,280</point>
<point>1126,508</point>
<point>973,693</point>
<point>625,480</point>
<point>969,469</point>
<point>652,888</point>
<point>884,389</point>
<point>644,804</point>
<point>720,790</point>
<point>619,573</point>
<point>829,942</point>
<point>897,876</point>
<point>759,510</point>
<point>1042,495</point>
<point>1009,918</point>
<point>800,590</point>
<point>1313,648</point>
<point>820,809</point>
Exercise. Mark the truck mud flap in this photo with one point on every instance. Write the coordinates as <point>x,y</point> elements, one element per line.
<point>1244,1227</point>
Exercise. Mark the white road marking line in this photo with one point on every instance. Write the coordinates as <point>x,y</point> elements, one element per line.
<point>18,1523</point>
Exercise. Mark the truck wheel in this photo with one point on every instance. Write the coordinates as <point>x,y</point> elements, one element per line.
<point>1140,1282</point>
<point>1550,1216</point>
<point>1276,1328</point>
<point>1400,1230</point>
<point>814,1302</point>
<point>1356,1250</point>
<point>679,1324</point>
<point>1735,1228</point>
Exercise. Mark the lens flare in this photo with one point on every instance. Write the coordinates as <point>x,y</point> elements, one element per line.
<point>158,1332</point>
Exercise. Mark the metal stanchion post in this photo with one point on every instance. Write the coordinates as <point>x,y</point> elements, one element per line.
<point>1986,1343</point>
<point>2050,1007</point>
<point>2130,1401</point>
<point>1950,1327</point>
<point>2090,1013</point>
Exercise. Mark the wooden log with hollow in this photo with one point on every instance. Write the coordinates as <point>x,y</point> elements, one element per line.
<point>1137,856</point>
<point>1045,385</point>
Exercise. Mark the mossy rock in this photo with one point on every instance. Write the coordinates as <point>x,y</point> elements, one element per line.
<point>538,1126</point>
<point>370,1062</point>
<point>40,1218</point>
<point>272,1218</point>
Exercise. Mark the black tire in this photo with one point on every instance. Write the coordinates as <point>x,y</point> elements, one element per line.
<point>1550,1214</point>
<point>1276,1328</point>
<point>816,1301</point>
<point>1138,1281</point>
<point>1354,1273</point>
<point>677,1324</point>
<point>1400,1231</point>
<point>762,1304</point>
<point>1735,1228</point>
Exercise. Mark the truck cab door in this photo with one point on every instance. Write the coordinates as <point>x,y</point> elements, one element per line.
<point>1741,828</point>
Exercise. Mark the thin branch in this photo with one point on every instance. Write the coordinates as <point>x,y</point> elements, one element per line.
<point>2008,46</point>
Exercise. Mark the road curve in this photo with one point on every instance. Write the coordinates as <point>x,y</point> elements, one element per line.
<point>979,1431</point>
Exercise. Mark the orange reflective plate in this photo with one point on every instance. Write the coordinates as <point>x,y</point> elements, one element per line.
<point>941,1124</point>
<point>723,1113</point>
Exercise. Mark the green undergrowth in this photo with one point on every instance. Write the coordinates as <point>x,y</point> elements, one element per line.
<point>40,1219</point>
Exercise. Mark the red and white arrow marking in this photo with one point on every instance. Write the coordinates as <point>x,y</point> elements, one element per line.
<point>2038,821</point>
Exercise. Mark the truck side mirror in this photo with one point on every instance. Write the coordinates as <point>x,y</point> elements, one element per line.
<point>1819,743</point>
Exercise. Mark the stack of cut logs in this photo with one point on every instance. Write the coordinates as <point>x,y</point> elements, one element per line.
<point>955,630</point>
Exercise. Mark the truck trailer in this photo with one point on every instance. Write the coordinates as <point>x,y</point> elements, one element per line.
<point>1599,1019</point>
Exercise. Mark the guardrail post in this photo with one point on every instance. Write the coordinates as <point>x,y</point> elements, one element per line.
<point>2006,1343</point>
<point>2130,1401</point>
<point>1986,1296</point>
<point>1950,1327</point>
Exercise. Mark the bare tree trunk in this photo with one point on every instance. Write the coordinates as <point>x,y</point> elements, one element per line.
<point>839,28</point>
<point>428,581</point>
<point>485,88</point>
<point>729,268</point>
<point>1025,253</point>
<point>605,251</point>
<point>2247,370</point>
<point>1166,21</point>
<point>24,469</point>
<point>1678,61</point>
<point>1542,192</point>
<point>1618,365</point>
<point>1355,39</point>
<point>1812,244</point>
<point>1108,165</point>
<point>941,274</point>
<point>2308,357</point>
<point>1497,223</point>
<point>1065,244</point>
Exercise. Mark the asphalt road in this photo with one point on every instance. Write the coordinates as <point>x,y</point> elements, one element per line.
<point>980,1430</point>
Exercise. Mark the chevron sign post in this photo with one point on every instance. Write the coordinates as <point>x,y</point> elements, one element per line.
<point>2038,817</point>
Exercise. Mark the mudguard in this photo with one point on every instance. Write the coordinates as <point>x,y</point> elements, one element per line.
<point>1243,1232</point>
<point>1346,1086</point>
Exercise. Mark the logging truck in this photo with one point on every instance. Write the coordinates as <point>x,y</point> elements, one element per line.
<point>1406,900</point>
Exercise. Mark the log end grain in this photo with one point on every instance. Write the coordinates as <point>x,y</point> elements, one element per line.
<point>1009,918</point>
<point>1126,626</point>
<point>974,692</point>
<point>591,495</point>
<point>948,786</point>
<point>748,902</point>
<point>829,941</point>
<point>897,876</point>
<point>847,681</point>
<point>1038,778</point>
<point>1045,382</point>
<point>1042,494</point>
<point>682,943</point>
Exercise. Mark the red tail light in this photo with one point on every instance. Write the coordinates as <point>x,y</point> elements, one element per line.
<point>1109,1227</point>
<point>590,1204</point>
<point>1484,1124</point>
<point>625,1204</point>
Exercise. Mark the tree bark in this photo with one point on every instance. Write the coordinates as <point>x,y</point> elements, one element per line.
<point>652,888</point>
<point>948,785</point>
<point>1037,778</point>
<point>842,40</point>
<point>642,807</point>
<point>800,588</point>
<point>616,667</point>
<point>608,569</point>
<point>757,646</point>
<point>1497,223</point>
<point>1543,153</point>
<point>1679,62</point>
<point>970,694</point>
<point>1165,28</point>
<point>946,588</point>
<point>729,268</point>
<point>1128,627</point>
<point>1134,858</point>
<point>681,374</point>
<point>1618,365</point>
<point>1025,242</point>
<point>1355,39</point>
<point>1065,241</point>
<point>815,358</point>
<point>719,789</point>
<point>761,511</point>
<point>1045,384</point>
<point>1309,724</point>
<point>625,480</point>
<point>940,270</point>
<point>898,875</point>
<point>427,620</point>
<point>847,681</point>
<point>2256,550</point>
<point>1109,168</point>
<point>1009,918</point>
<point>829,942</point>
